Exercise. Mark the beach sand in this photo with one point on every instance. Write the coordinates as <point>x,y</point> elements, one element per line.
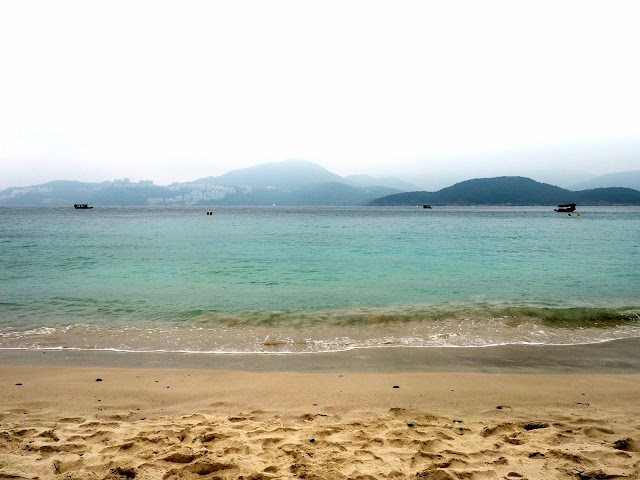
<point>60,422</point>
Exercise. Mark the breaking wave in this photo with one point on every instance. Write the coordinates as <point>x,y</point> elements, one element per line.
<point>477,325</point>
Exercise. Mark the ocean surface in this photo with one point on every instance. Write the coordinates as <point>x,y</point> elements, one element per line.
<point>291,280</point>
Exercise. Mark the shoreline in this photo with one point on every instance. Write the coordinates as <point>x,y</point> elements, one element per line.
<point>616,356</point>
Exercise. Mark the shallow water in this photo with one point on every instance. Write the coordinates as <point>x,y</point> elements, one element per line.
<point>281,280</point>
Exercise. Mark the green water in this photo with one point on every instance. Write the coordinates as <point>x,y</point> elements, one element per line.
<point>315,279</point>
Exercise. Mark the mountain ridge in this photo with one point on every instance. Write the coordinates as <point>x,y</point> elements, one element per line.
<point>510,191</point>
<point>296,182</point>
<point>291,182</point>
<point>630,179</point>
<point>284,174</point>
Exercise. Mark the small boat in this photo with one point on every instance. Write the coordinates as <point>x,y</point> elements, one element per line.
<point>82,206</point>
<point>426,206</point>
<point>566,208</point>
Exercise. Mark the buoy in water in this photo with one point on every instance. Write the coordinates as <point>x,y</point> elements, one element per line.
<point>578,213</point>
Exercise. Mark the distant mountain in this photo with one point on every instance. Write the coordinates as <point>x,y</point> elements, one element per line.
<point>389,182</point>
<point>298,173</point>
<point>109,195</point>
<point>291,182</point>
<point>286,174</point>
<point>620,179</point>
<point>283,183</point>
<point>315,194</point>
<point>305,183</point>
<point>511,191</point>
<point>66,193</point>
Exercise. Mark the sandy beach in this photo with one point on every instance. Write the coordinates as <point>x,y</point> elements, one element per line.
<point>93,421</point>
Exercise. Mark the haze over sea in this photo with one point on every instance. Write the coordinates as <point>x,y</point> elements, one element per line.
<point>290,280</point>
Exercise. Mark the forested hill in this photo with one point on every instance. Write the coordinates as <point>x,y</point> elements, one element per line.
<point>511,191</point>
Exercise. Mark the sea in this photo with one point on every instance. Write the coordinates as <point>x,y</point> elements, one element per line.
<point>279,280</point>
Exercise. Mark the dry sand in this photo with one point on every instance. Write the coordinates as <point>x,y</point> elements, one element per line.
<point>61,423</point>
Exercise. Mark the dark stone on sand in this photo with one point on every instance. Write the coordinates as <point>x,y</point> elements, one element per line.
<point>396,386</point>
<point>126,472</point>
<point>535,425</point>
<point>621,444</point>
<point>98,379</point>
<point>626,444</point>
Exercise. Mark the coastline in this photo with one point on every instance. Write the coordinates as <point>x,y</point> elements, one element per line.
<point>616,356</point>
<point>457,413</point>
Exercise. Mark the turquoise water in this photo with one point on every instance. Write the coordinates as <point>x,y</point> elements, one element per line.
<point>315,279</point>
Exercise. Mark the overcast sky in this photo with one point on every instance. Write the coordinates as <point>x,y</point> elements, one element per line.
<point>173,91</point>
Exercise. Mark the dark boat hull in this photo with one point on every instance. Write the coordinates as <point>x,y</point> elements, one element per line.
<point>566,208</point>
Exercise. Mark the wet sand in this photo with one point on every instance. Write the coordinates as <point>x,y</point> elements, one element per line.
<point>619,356</point>
<point>504,413</point>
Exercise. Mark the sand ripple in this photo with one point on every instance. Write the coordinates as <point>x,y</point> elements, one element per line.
<point>395,444</point>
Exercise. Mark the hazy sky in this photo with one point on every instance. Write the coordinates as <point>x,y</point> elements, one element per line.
<point>180,90</point>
